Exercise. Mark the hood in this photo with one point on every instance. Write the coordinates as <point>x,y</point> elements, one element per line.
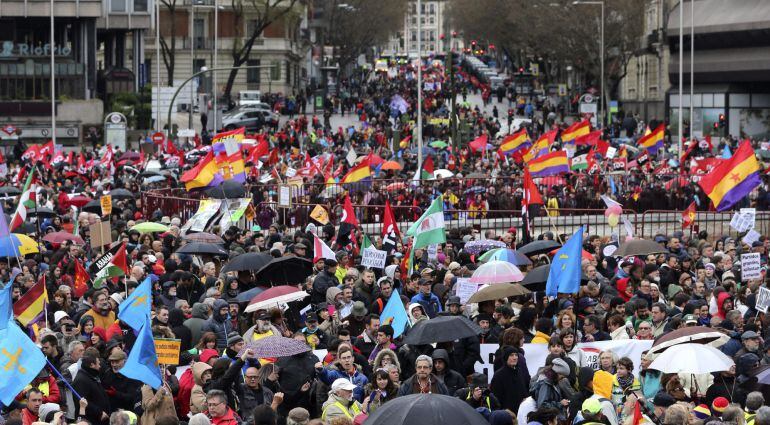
<point>175,317</point>
<point>721,298</point>
<point>500,417</point>
<point>441,354</point>
<point>603,383</point>
<point>382,353</point>
<point>507,350</point>
<point>585,375</point>
<point>218,305</point>
<point>197,369</point>
<point>200,311</point>
<point>390,271</point>
<point>331,293</point>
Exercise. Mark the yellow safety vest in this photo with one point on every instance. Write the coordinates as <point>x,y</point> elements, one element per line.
<point>356,410</point>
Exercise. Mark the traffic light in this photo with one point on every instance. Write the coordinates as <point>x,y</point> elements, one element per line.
<point>722,121</point>
<point>473,44</point>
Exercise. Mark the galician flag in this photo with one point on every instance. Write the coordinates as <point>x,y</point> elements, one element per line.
<point>429,229</point>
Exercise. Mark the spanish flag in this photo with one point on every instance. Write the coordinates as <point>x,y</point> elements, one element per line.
<point>360,172</point>
<point>30,307</point>
<point>733,179</point>
<point>548,165</point>
<point>204,174</point>
<point>575,130</point>
<point>653,141</point>
<point>516,142</point>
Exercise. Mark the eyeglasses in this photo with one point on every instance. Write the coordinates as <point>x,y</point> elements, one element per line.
<point>210,405</point>
<point>252,377</point>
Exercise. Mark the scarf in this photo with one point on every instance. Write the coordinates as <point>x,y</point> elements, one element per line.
<point>625,382</point>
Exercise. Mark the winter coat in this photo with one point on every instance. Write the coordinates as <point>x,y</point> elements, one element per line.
<point>410,386</point>
<point>378,359</point>
<point>217,324</point>
<point>451,378</point>
<point>510,384</point>
<point>546,393</point>
<point>364,292</point>
<point>196,322</point>
<point>198,394</point>
<point>321,283</point>
<point>156,404</point>
<point>336,407</point>
<point>89,386</point>
<point>328,376</point>
<point>124,392</point>
<point>295,371</point>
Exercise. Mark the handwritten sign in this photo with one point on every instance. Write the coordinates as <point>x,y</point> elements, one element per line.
<point>763,299</point>
<point>374,258</point>
<point>106,202</point>
<point>750,266</point>
<point>168,351</point>
<point>465,289</point>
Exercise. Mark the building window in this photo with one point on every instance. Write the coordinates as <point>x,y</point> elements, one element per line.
<point>140,5</point>
<point>275,71</point>
<point>288,72</point>
<point>251,26</point>
<point>252,74</point>
<point>199,33</point>
<point>432,9</point>
<point>117,6</point>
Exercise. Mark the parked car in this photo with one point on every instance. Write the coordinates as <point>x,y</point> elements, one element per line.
<point>251,120</point>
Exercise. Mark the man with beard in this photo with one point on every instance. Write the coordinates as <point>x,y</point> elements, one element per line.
<point>103,316</point>
<point>89,386</point>
<point>168,297</point>
<point>261,329</point>
<point>218,323</point>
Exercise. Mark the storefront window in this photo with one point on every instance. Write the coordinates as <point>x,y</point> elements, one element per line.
<point>140,5</point>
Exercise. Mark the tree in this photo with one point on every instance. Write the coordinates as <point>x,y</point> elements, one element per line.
<point>351,31</point>
<point>169,50</point>
<point>557,33</point>
<point>262,13</point>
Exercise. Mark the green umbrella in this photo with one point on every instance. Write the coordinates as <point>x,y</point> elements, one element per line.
<point>438,144</point>
<point>150,227</point>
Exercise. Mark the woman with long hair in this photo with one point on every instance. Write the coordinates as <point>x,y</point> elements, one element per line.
<point>380,390</point>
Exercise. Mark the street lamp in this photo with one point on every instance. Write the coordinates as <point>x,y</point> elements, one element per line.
<point>601,103</point>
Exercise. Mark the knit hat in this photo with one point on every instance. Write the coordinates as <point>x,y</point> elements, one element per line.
<point>45,409</point>
<point>719,404</point>
<point>701,411</point>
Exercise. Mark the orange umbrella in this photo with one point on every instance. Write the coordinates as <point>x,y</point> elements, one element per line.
<point>392,165</point>
<point>585,255</point>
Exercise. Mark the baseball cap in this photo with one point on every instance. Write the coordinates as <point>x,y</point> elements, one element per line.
<point>690,318</point>
<point>57,316</point>
<point>343,384</point>
<point>454,300</point>
<point>592,406</point>
<point>749,335</point>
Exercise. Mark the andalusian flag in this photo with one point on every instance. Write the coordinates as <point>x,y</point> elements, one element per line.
<point>112,264</point>
<point>429,229</point>
<point>26,202</point>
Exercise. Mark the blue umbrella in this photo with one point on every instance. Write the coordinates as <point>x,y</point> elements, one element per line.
<point>245,297</point>
<point>508,255</point>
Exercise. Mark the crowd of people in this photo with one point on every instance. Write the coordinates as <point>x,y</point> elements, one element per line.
<point>355,363</point>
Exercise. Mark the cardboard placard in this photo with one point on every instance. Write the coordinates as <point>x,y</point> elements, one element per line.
<point>284,196</point>
<point>106,202</point>
<point>465,289</point>
<point>374,258</point>
<point>750,266</point>
<point>100,234</point>
<point>763,299</point>
<point>168,351</point>
<point>320,215</point>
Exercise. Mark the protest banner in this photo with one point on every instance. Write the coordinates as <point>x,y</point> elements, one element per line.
<point>168,351</point>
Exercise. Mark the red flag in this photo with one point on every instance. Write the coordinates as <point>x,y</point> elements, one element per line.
<point>348,214</point>
<point>274,157</point>
<point>479,144</point>
<point>32,153</point>
<point>329,167</point>
<point>390,233</point>
<point>531,194</point>
<point>46,149</point>
<point>262,149</point>
<point>688,216</point>
<point>451,161</point>
<point>638,418</point>
<point>81,279</point>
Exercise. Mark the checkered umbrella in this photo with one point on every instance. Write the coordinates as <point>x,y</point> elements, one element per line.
<point>275,346</point>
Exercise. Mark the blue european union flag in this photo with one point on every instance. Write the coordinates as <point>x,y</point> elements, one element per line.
<point>564,276</point>
<point>394,310</point>
<point>142,362</point>
<point>20,361</point>
<point>135,310</point>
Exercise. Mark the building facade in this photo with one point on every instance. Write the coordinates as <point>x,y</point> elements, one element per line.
<point>436,31</point>
<point>280,49</point>
<point>643,89</point>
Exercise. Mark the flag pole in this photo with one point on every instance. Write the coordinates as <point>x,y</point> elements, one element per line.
<point>67,384</point>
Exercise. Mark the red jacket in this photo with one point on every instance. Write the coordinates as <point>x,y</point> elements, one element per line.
<point>229,418</point>
<point>27,417</point>
<point>50,394</point>
<point>182,399</point>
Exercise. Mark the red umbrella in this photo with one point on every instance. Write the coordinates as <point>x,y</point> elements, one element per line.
<point>79,200</point>
<point>550,181</point>
<point>57,238</point>
<point>274,296</point>
<point>395,186</point>
<point>585,255</point>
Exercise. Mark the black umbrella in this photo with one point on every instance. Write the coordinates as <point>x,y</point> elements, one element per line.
<point>536,278</point>
<point>538,247</point>
<point>202,248</point>
<point>426,409</point>
<point>121,194</point>
<point>10,191</point>
<point>227,190</point>
<point>250,261</point>
<point>42,212</point>
<point>638,247</point>
<point>95,207</point>
<point>285,271</point>
<point>149,173</point>
<point>441,329</point>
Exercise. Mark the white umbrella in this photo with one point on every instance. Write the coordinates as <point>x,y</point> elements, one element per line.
<point>692,358</point>
<point>442,173</point>
<point>497,272</point>
<point>275,296</point>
